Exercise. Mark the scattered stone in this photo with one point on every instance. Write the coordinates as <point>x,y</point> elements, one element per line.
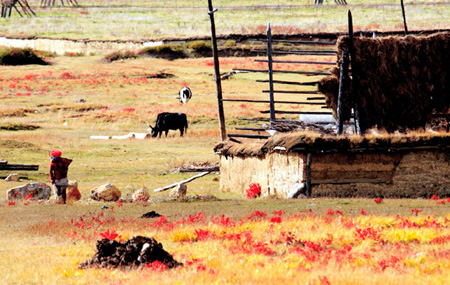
<point>35,191</point>
<point>141,195</point>
<point>73,194</point>
<point>106,193</point>
<point>105,207</point>
<point>81,100</point>
<point>179,191</point>
<point>151,214</point>
<point>135,252</point>
<point>12,177</point>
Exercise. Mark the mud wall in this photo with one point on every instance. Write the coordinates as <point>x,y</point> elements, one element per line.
<point>64,46</point>
<point>418,174</point>
<point>390,175</point>
<point>276,173</point>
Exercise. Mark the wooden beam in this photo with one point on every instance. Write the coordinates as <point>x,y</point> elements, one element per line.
<point>283,71</point>
<point>298,112</point>
<point>250,129</point>
<point>267,101</point>
<point>306,42</point>
<point>291,92</point>
<point>30,167</point>
<point>298,61</point>
<point>290,82</point>
<point>249,136</point>
<point>181,182</point>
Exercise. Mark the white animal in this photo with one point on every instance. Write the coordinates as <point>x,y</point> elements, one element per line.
<point>185,94</point>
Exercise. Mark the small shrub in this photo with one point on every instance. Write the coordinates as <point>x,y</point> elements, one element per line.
<point>119,55</point>
<point>167,51</point>
<point>19,56</point>
<point>200,48</point>
<point>229,44</point>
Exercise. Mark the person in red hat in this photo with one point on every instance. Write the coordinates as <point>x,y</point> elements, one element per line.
<point>59,167</point>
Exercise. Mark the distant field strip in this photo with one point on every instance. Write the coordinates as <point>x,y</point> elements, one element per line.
<point>150,20</point>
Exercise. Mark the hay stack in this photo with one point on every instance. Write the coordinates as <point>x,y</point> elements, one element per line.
<point>403,80</point>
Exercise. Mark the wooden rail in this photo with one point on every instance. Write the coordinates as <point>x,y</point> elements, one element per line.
<point>249,136</point>
<point>267,101</point>
<point>298,61</point>
<point>4,165</point>
<point>283,71</point>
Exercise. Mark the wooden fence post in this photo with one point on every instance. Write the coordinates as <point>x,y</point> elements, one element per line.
<point>404,17</point>
<point>342,91</point>
<point>270,69</point>
<point>355,80</point>
<point>223,132</point>
<point>308,175</point>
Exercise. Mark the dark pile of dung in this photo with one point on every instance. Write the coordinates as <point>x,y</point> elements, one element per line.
<point>135,252</point>
<point>151,214</point>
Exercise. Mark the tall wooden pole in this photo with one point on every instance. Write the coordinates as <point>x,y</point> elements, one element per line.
<point>355,79</point>
<point>223,132</point>
<point>342,91</point>
<point>404,17</point>
<point>270,69</point>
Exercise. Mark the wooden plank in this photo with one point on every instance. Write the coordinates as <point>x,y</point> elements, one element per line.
<point>254,119</point>
<point>290,82</point>
<point>249,136</point>
<point>250,129</point>
<point>30,167</point>
<point>184,182</point>
<point>298,61</point>
<point>267,101</point>
<point>282,71</point>
<point>301,52</point>
<point>291,92</point>
<point>306,42</point>
<point>298,112</point>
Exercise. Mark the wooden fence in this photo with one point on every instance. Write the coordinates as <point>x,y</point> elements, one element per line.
<point>305,92</point>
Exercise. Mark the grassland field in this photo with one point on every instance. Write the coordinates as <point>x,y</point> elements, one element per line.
<point>230,240</point>
<point>141,20</point>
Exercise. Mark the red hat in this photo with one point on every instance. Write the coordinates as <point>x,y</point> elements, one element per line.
<point>55,153</point>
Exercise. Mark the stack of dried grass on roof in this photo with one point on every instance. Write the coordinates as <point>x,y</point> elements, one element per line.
<point>403,80</point>
<point>289,126</point>
<point>314,142</point>
<point>229,148</point>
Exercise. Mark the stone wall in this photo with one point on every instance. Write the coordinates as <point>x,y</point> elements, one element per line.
<point>87,47</point>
